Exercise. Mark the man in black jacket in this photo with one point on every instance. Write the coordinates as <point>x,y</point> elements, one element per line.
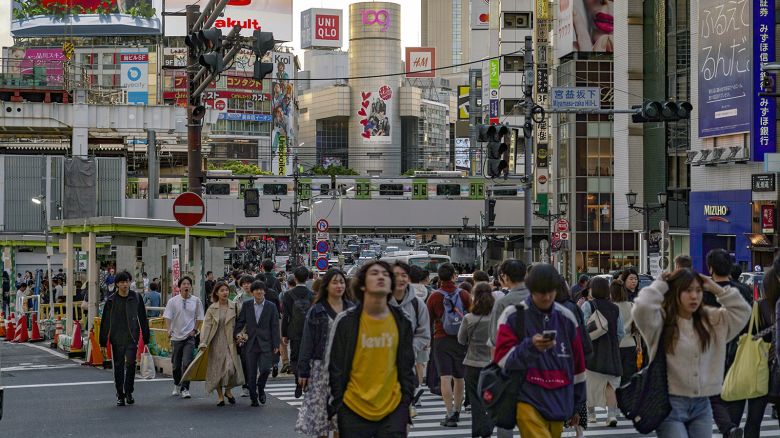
<point>295,306</point>
<point>371,398</point>
<point>124,316</point>
<point>272,292</point>
<point>260,319</point>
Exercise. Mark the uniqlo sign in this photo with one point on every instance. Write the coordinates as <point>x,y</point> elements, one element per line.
<point>321,28</point>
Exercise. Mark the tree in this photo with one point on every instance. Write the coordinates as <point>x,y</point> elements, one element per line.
<point>333,170</point>
<point>238,168</point>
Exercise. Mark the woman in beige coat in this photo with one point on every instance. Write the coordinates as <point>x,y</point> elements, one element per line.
<point>223,368</point>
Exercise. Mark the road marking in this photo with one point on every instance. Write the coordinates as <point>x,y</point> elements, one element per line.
<point>104,382</point>
<point>48,350</point>
<point>31,367</point>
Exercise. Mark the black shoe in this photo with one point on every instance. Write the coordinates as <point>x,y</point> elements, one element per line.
<point>774,412</point>
<point>449,421</point>
<point>262,398</point>
<point>275,371</point>
<point>298,390</point>
<point>255,404</point>
<point>231,400</point>
<point>129,398</point>
<point>120,401</point>
<point>737,432</point>
<point>456,416</point>
<point>222,403</point>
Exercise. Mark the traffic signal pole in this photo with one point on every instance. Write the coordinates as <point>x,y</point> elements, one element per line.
<point>529,147</point>
<point>194,126</point>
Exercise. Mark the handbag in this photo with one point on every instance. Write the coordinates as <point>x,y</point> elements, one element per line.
<point>147,364</point>
<point>645,398</point>
<point>499,390</point>
<point>597,323</point>
<point>748,376</point>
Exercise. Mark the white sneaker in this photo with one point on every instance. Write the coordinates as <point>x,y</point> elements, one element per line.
<point>244,392</point>
<point>185,393</point>
<point>176,391</point>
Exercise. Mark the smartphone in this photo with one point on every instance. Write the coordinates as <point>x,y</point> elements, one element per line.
<point>549,335</point>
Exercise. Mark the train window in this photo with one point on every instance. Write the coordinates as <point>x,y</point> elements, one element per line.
<point>166,188</point>
<point>274,189</point>
<point>324,189</point>
<point>218,189</point>
<point>448,189</point>
<point>504,191</point>
<point>391,189</point>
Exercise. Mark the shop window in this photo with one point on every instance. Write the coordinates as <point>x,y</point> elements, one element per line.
<point>514,63</point>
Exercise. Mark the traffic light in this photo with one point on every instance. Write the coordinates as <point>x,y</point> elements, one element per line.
<point>210,41</point>
<point>490,209</point>
<point>251,203</point>
<point>263,43</point>
<point>497,138</point>
<point>669,111</point>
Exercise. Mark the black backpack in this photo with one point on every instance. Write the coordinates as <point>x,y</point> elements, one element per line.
<point>300,308</point>
<point>498,390</point>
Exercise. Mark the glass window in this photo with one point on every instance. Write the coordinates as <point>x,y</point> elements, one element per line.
<point>391,189</point>
<point>448,189</point>
<point>274,189</point>
<point>511,106</point>
<point>217,188</point>
<point>514,63</point>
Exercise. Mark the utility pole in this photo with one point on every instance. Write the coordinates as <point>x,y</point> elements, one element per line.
<point>194,125</point>
<point>475,90</point>
<point>528,93</point>
<point>296,213</point>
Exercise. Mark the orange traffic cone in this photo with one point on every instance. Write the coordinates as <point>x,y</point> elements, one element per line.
<point>94,357</point>
<point>9,329</point>
<point>2,325</point>
<point>36,331</point>
<point>57,332</point>
<point>21,330</point>
<point>76,344</point>
<point>107,362</point>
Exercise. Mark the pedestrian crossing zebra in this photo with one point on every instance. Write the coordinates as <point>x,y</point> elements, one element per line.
<point>432,411</point>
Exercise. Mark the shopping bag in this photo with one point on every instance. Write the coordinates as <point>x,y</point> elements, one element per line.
<point>147,365</point>
<point>748,376</point>
<point>196,372</point>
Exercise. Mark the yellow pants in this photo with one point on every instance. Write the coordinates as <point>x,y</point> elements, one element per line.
<point>533,425</point>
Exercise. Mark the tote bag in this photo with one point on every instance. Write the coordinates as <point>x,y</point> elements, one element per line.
<point>748,376</point>
<point>597,323</point>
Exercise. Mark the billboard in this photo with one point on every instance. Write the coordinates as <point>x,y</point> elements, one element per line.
<point>725,62</point>
<point>583,26</point>
<point>44,64</point>
<point>462,159</point>
<point>764,132</point>
<point>42,18</point>
<point>420,62</point>
<point>266,15</point>
<point>480,14</point>
<point>282,107</point>
<point>134,65</point>
<point>464,98</point>
<point>321,28</point>
<point>375,106</point>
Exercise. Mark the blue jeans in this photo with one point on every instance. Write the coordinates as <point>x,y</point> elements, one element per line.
<point>690,417</point>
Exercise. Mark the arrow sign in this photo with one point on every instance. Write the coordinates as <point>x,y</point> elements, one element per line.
<point>322,225</point>
<point>322,247</point>
<point>189,209</point>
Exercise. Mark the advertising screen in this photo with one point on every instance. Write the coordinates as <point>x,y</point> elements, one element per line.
<point>583,26</point>
<point>41,18</point>
<point>265,15</point>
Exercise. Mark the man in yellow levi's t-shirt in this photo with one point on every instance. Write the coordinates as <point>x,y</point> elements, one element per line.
<point>371,366</point>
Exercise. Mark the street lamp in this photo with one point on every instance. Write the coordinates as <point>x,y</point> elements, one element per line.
<point>292,214</point>
<point>311,231</point>
<point>341,218</point>
<point>41,200</point>
<point>646,210</point>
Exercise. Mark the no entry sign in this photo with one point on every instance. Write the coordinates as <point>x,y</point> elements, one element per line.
<point>188,209</point>
<point>322,263</point>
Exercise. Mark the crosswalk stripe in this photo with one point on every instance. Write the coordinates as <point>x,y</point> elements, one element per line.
<point>426,424</point>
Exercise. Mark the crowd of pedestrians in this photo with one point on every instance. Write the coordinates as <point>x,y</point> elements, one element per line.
<point>364,349</point>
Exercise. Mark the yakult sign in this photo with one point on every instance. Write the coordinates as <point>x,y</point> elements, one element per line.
<point>321,28</point>
<point>266,15</point>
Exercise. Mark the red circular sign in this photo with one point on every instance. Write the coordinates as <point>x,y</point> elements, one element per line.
<point>542,179</point>
<point>219,104</point>
<point>562,225</point>
<point>385,92</point>
<point>189,209</point>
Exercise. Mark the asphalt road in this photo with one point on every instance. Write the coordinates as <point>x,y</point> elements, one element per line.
<point>49,395</point>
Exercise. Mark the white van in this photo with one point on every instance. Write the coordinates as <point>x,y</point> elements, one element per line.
<point>421,259</point>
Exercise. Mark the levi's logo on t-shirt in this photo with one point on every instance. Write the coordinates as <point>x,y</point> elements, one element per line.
<point>385,340</point>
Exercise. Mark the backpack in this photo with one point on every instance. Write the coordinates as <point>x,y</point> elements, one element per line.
<point>300,308</point>
<point>497,390</point>
<point>453,312</point>
<point>272,282</point>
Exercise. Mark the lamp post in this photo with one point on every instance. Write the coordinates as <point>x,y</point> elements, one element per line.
<point>312,203</point>
<point>646,209</point>
<point>41,200</point>
<point>341,217</point>
<point>477,241</point>
<point>292,214</point>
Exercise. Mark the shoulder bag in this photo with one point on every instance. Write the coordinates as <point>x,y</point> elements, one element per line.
<point>645,398</point>
<point>597,323</point>
<point>748,376</point>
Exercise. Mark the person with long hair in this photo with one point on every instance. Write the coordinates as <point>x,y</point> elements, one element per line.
<point>331,299</point>
<point>628,344</point>
<point>604,368</point>
<point>474,333</point>
<point>223,369</point>
<point>669,314</point>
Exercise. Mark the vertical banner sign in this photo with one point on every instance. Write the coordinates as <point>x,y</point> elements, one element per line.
<point>373,110</point>
<point>282,108</point>
<point>768,219</point>
<point>542,28</point>
<point>494,84</point>
<point>175,268</point>
<point>135,74</point>
<point>463,102</point>
<point>764,107</point>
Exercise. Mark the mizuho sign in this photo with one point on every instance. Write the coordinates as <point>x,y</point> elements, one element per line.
<point>716,210</point>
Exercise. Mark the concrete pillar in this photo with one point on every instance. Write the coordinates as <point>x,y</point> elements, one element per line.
<point>89,244</point>
<point>67,250</point>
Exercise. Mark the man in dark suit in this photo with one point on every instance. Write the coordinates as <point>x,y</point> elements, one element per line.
<point>259,318</point>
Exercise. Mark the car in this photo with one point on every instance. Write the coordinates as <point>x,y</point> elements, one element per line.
<point>390,249</point>
<point>463,277</point>
<point>368,254</point>
<point>755,280</point>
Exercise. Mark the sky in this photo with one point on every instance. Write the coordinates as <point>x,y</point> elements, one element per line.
<point>410,20</point>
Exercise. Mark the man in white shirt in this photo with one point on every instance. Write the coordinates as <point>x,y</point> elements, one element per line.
<point>145,278</point>
<point>182,315</point>
<point>59,293</point>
